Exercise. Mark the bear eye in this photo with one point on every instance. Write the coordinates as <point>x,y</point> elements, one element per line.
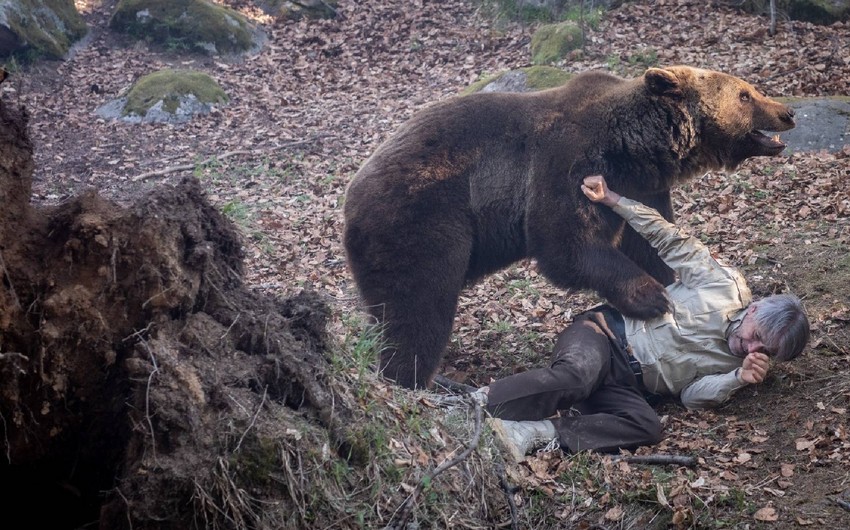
<point>745,96</point>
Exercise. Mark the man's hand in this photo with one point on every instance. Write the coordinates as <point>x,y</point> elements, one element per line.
<point>754,368</point>
<point>596,189</point>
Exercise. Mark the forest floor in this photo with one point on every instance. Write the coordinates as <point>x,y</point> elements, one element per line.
<point>308,109</point>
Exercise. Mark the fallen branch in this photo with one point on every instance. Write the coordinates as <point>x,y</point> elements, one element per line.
<point>509,493</point>
<point>186,167</point>
<point>657,460</point>
<point>406,509</point>
<point>841,502</point>
<point>441,381</point>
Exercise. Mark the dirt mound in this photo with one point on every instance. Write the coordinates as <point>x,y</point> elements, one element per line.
<point>139,375</point>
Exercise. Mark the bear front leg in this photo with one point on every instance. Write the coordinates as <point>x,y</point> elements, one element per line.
<point>636,248</point>
<point>611,274</point>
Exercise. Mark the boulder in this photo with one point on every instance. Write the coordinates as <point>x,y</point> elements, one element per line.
<point>171,96</point>
<point>555,42</point>
<point>816,11</point>
<point>526,79</point>
<point>823,124</point>
<point>33,28</point>
<point>295,10</point>
<point>192,25</point>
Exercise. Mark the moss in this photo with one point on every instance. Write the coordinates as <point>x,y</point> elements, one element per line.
<point>167,86</point>
<point>257,461</point>
<point>542,77</point>
<point>538,77</point>
<point>554,42</point>
<point>195,25</point>
<point>47,27</point>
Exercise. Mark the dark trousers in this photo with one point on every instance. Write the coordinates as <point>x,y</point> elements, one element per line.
<point>590,374</point>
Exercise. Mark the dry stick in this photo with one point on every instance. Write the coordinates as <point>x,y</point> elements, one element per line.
<point>148,400</point>
<point>409,503</point>
<point>444,382</point>
<point>655,460</point>
<point>509,493</point>
<point>841,502</point>
<point>253,420</point>
<point>772,17</point>
<point>185,167</point>
<point>9,280</point>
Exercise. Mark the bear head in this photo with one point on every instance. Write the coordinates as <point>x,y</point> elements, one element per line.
<point>730,113</point>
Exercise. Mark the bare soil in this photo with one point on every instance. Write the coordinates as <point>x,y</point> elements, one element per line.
<point>156,332</point>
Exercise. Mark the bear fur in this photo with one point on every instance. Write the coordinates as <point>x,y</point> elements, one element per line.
<point>472,184</point>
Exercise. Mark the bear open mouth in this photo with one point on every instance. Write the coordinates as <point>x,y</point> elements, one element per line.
<point>771,145</point>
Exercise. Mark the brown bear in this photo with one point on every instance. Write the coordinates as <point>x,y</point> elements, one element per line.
<point>474,183</point>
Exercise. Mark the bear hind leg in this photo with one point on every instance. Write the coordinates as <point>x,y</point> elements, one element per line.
<point>416,333</point>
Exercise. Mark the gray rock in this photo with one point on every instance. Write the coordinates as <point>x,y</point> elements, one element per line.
<point>188,106</point>
<point>822,124</point>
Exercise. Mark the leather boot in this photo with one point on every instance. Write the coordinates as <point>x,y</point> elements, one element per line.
<point>518,438</point>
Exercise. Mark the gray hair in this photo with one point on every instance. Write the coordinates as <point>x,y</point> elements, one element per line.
<point>783,325</point>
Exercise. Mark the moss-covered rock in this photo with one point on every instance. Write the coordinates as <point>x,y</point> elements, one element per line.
<point>45,28</point>
<point>527,79</point>
<point>195,25</point>
<point>172,96</point>
<point>554,42</point>
<point>297,9</point>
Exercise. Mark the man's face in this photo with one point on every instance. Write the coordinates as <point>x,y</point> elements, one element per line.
<point>747,338</point>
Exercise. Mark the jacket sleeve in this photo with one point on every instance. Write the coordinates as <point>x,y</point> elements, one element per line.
<point>711,390</point>
<point>683,253</point>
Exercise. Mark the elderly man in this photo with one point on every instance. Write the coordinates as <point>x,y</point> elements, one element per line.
<point>713,342</point>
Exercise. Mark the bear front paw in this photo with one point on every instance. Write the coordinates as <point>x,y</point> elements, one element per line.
<point>645,300</point>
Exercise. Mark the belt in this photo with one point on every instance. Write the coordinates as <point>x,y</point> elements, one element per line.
<point>618,327</point>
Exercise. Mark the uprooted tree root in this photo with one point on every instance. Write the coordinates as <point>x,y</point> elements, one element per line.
<point>143,386</point>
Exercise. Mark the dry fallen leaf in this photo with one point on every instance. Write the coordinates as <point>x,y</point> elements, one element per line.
<point>743,458</point>
<point>767,514</point>
<point>614,514</point>
<point>803,444</point>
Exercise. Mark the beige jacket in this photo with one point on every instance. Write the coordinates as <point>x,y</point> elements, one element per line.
<point>685,352</point>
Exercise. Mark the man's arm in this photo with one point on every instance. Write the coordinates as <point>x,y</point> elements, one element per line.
<point>685,254</point>
<point>712,390</point>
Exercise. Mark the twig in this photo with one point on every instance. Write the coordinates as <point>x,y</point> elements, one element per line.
<point>6,439</point>
<point>9,280</point>
<point>772,17</point>
<point>253,420</point>
<point>657,460</point>
<point>235,320</point>
<point>841,502</point>
<point>444,382</point>
<point>509,493</point>
<point>185,167</point>
<point>10,354</point>
<point>148,400</point>
<point>406,509</point>
<point>127,504</point>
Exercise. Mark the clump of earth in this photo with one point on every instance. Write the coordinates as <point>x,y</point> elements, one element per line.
<point>143,383</point>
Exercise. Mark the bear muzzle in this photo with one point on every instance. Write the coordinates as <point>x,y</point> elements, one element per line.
<point>781,120</point>
<point>766,146</point>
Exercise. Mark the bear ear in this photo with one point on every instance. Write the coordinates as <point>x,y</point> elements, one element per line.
<point>662,82</point>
